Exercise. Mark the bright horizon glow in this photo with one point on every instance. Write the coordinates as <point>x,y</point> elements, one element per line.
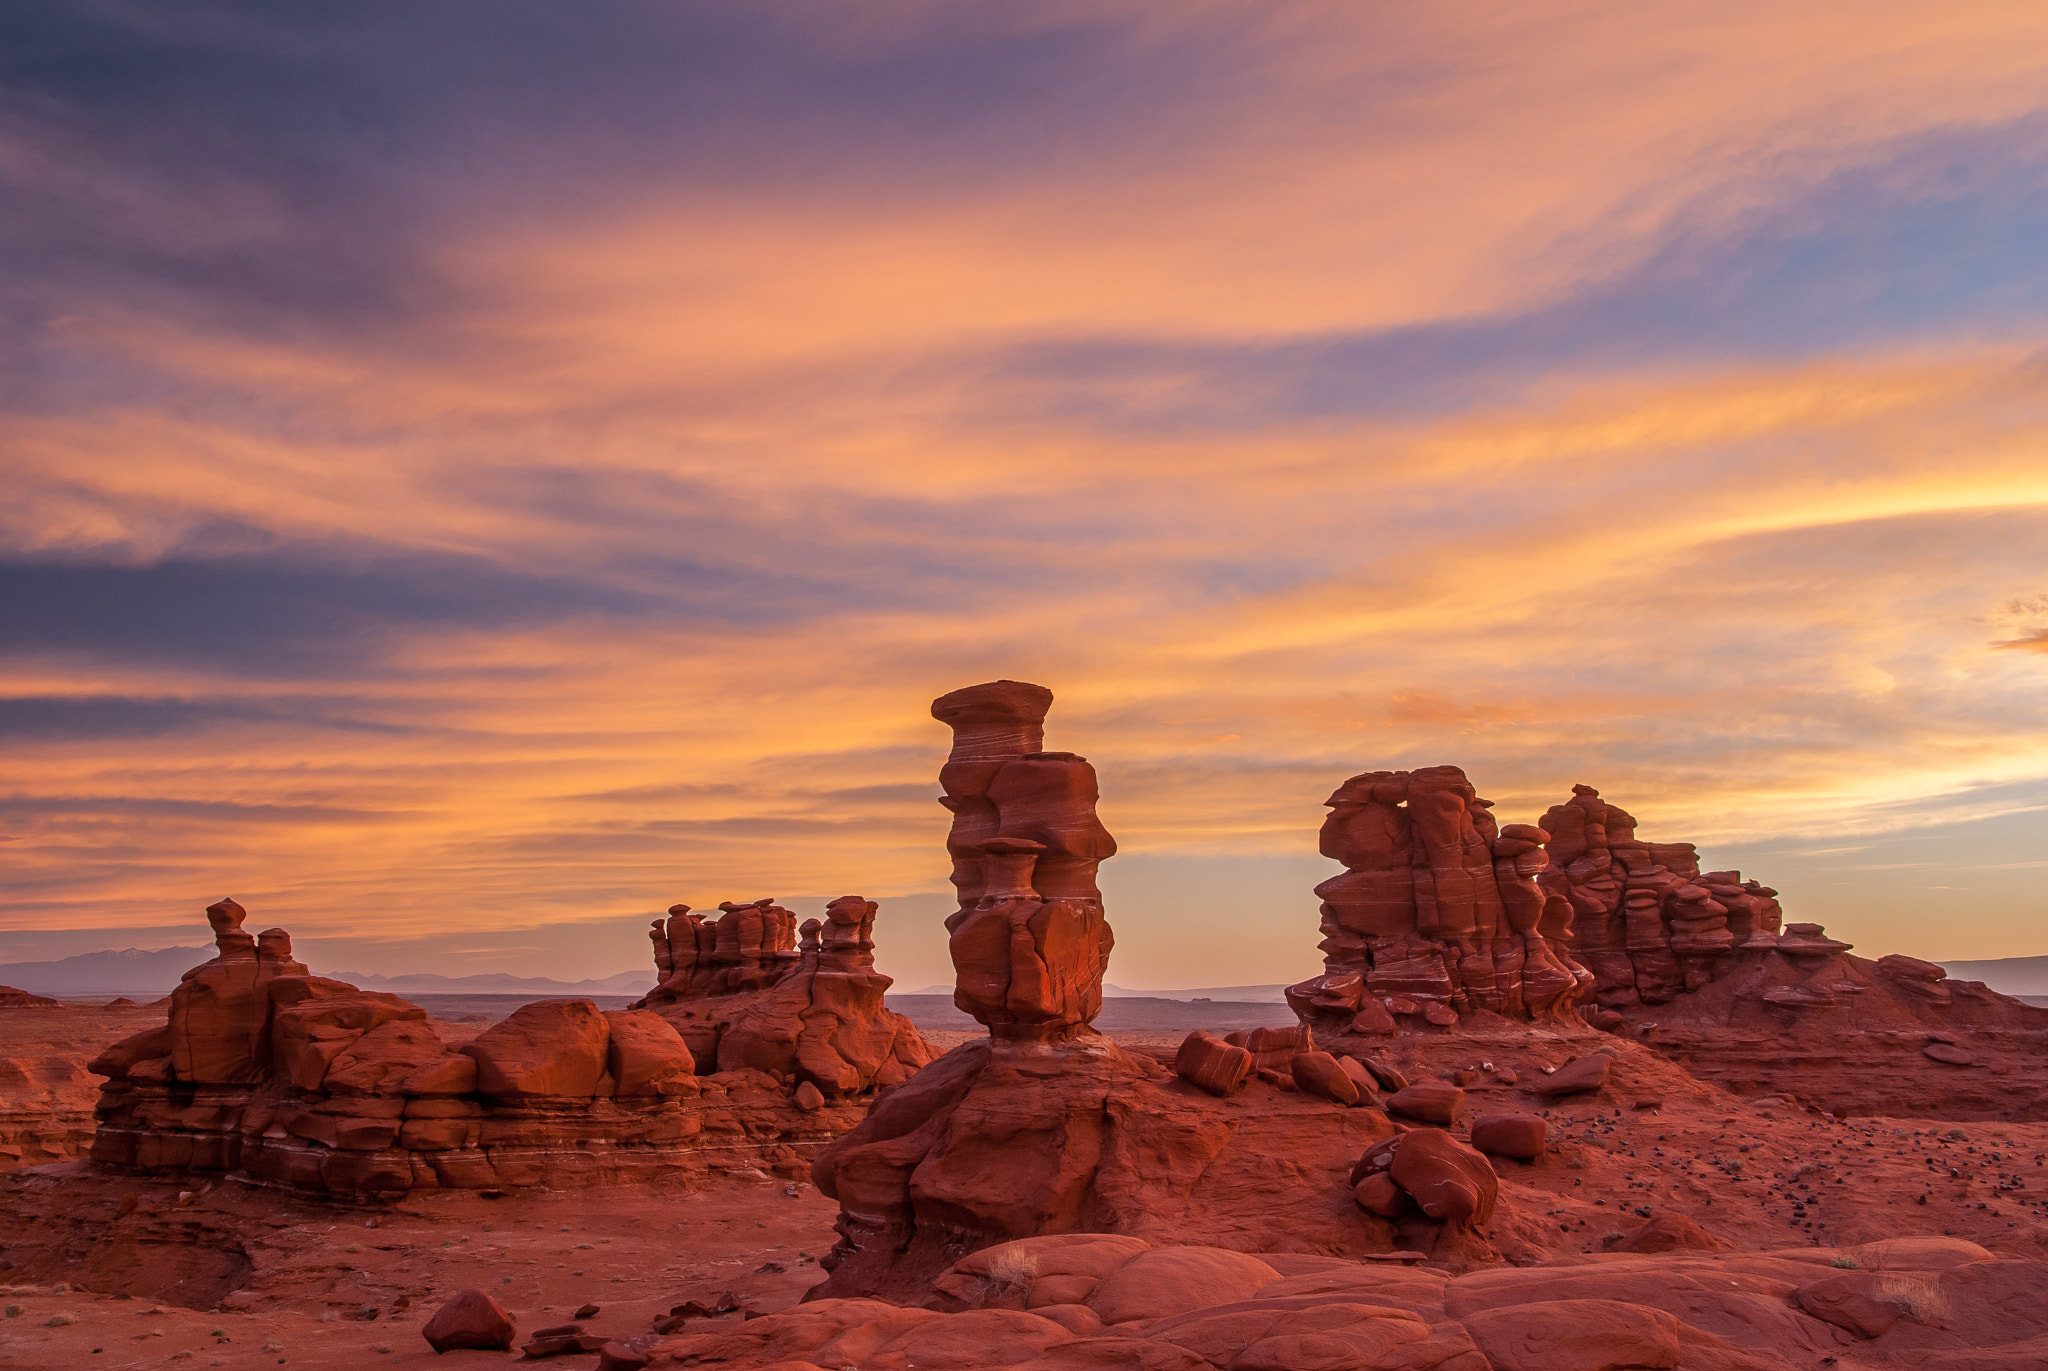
<point>477,480</point>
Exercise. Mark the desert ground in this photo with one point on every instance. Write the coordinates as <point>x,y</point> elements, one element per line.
<point>107,1270</point>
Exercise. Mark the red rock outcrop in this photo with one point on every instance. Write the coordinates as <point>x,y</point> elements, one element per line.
<point>1703,967</point>
<point>751,991</point>
<point>1029,941</point>
<point>1081,1302</point>
<point>268,1071</point>
<point>10,998</point>
<point>1649,924</point>
<point>1438,913</point>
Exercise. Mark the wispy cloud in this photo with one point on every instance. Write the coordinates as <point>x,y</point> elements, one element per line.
<point>485,476</point>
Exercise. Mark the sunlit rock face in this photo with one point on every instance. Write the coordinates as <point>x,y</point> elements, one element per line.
<point>1029,941</point>
<point>750,990</point>
<point>265,1070</point>
<point>1439,912</point>
<point>1649,925</point>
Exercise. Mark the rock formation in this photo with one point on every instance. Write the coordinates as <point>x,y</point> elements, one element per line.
<point>268,1071</point>
<point>749,990</point>
<point>1045,1126</point>
<point>1080,1302</point>
<point>1029,941</point>
<point>1438,913</point>
<point>1649,925</point>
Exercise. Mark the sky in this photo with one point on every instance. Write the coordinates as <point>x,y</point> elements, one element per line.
<point>477,474</point>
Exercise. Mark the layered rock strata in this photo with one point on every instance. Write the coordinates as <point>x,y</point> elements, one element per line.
<point>267,1071</point>
<point>1046,1126</point>
<point>1648,924</point>
<point>1029,941</point>
<point>1439,912</point>
<point>751,990</point>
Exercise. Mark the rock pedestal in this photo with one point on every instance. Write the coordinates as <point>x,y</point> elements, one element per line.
<point>1029,941</point>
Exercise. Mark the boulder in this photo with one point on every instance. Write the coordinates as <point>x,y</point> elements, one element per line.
<point>549,1047</point>
<point>1576,1077</point>
<point>1450,1181</point>
<point>1521,1136</point>
<point>1429,1101</point>
<point>1377,1194</point>
<point>1273,1049</point>
<point>646,1056</point>
<point>470,1320</point>
<point>1208,1063</point>
<point>1317,1073</point>
<point>1368,1086</point>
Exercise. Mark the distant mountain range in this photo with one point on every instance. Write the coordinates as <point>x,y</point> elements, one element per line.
<point>497,983</point>
<point>129,971</point>
<point>132,971</point>
<point>2023,976</point>
<point>1239,994</point>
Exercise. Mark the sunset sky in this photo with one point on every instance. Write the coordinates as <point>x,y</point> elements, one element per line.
<point>474,474</point>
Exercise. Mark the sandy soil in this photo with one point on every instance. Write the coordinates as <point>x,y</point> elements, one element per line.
<point>46,1094</point>
<point>321,1286</point>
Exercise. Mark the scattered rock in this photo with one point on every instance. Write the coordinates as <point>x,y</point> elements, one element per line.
<point>1429,1101</point>
<point>1318,1073</point>
<point>1521,1136</point>
<point>1208,1063</point>
<point>1577,1077</point>
<point>470,1319</point>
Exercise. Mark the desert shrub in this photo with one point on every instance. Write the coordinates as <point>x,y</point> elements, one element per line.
<point>1845,1262</point>
<point>1009,1270</point>
<point>1916,1299</point>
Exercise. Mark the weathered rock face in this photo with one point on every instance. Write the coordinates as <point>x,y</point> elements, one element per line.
<point>749,990</point>
<point>1082,1302</point>
<point>1649,924</point>
<point>1843,1033</point>
<point>269,1071</point>
<point>1439,912</point>
<point>1029,941</point>
<point>1004,1139</point>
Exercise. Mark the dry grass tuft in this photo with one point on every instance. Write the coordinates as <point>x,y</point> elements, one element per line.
<point>1915,1298</point>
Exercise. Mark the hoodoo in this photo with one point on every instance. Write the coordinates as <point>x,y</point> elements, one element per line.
<point>267,1071</point>
<point>746,994</point>
<point>1471,972</point>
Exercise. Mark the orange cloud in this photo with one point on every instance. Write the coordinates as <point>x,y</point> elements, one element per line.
<point>1548,393</point>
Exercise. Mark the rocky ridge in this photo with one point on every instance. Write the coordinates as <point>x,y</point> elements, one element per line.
<point>268,1072</point>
